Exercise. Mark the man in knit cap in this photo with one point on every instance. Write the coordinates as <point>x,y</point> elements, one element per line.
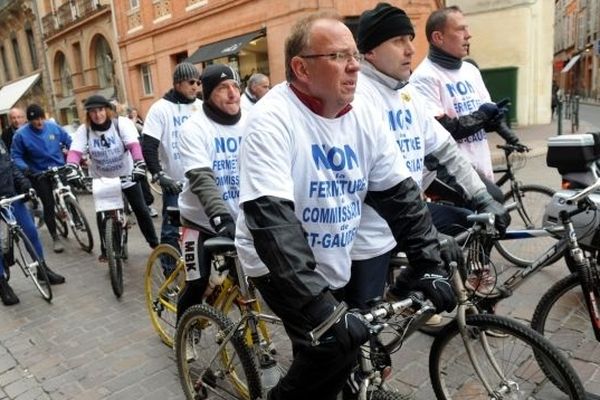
<point>384,37</point>
<point>160,138</point>
<point>209,147</point>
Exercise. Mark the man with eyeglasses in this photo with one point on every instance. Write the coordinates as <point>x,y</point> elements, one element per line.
<point>309,161</point>
<point>37,146</point>
<point>160,137</point>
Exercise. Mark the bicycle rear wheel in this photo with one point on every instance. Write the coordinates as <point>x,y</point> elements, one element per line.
<point>31,264</point>
<point>527,212</point>
<point>163,281</point>
<point>562,316</point>
<point>517,374</point>
<point>79,225</point>
<point>233,373</point>
<point>112,241</point>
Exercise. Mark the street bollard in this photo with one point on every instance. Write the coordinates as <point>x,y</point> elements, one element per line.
<point>559,116</point>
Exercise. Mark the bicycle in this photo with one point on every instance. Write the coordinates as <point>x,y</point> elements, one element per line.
<point>108,201</point>
<point>165,278</point>
<point>68,212</point>
<point>20,251</point>
<point>522,202</point>
<point>213,356</point>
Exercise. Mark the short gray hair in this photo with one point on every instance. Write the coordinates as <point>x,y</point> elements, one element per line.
<point>255,79</point>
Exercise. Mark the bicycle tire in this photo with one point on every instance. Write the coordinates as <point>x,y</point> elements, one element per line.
<point>452,373</point>
<point>112,242</point>
<point>83,234</point>
<point>234,371</point>
<point>562,316</point>
<point>62,226</point>
<point>162,291</point>
<point>31,264</point>
<point>518,251</point>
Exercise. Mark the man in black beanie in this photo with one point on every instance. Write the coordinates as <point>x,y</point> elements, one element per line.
<point>385,37</point>
<point>160,136</point>
<point>209,146</point>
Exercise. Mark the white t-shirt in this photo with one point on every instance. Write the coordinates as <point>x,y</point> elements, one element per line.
<point>456,93</point>
<point>416,133</point>
<point>110,158</point>
<point>163,122</point>
<point>206,144</point>
<point>245,103</point>
<point>324,166</point>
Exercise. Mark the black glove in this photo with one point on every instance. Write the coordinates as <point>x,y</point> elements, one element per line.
<point>436,287</point>
<point>139,171</point>
<point>450,250</point>
<point>483,203</point>
<point>167,184</point>
<point>74,173</point>
<point>490,110</point>
<point>224,225</point>
<point>32,197</point>
<point>350,330</point>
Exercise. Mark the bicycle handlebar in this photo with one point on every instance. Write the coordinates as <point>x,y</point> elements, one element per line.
<point>415,302</point>
<point>6,201</point>
<point>584,193</point>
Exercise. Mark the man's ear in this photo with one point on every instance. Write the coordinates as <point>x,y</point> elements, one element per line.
<point>437,38</point>
<point>299,67</point>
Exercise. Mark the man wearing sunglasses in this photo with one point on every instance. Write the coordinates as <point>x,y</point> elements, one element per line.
<point>160,137</point>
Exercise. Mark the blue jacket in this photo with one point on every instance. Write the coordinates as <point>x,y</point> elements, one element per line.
<point>35,151</point>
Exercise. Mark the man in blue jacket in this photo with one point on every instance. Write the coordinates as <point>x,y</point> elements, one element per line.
<point>36,147</point>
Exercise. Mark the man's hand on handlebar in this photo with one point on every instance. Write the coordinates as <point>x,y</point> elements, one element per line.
<point>347,327</point>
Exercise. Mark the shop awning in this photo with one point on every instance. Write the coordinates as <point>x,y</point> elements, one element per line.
<point>65,102</point>
<point>11,93</point>
<point>570,64</point>
<point>223,48</point>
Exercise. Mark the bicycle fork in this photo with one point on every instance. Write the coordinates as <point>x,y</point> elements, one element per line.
<point>586,269</point>
<point>461,317</point>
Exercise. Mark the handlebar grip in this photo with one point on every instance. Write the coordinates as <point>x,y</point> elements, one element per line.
<point>316,334</point>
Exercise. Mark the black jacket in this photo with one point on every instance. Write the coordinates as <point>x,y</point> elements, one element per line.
<point>12,180</point>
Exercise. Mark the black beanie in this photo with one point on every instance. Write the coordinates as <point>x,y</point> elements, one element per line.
<point>34,111</point>
<point>185,71</point>
<point>215,74</point>
<point>380,24</point>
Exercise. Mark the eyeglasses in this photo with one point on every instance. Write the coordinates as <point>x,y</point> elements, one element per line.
<point>338,56</point>
<point>194,82</point>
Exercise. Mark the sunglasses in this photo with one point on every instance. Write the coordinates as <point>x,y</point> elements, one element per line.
<point>194,82</point>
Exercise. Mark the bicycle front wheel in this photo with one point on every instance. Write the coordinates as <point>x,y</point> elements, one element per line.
<point>506,354</point>
<point>79,225</point>
<point>62,226</point>
<point>31,264</point>
<point>112,241</point>
<point>527,212</point>
<point>164,280</point>
<point>208,368</point>
<point>562,316</point>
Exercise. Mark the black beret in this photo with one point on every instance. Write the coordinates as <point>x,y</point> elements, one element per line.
<point>380,24</point>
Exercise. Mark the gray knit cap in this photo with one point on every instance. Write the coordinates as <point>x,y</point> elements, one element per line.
<point>185,71</point>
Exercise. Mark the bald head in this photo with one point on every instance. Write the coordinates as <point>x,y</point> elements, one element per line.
<point>16,117</point>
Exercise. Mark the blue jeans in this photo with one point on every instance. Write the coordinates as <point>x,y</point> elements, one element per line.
<point>24,220</point>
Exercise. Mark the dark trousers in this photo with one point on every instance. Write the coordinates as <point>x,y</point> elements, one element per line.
<point>316,372</point>
<point>367,280</point>
<point>169,233</point>
<point>135,199</point>
<point>43,187</point>
<point>147,192</point>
